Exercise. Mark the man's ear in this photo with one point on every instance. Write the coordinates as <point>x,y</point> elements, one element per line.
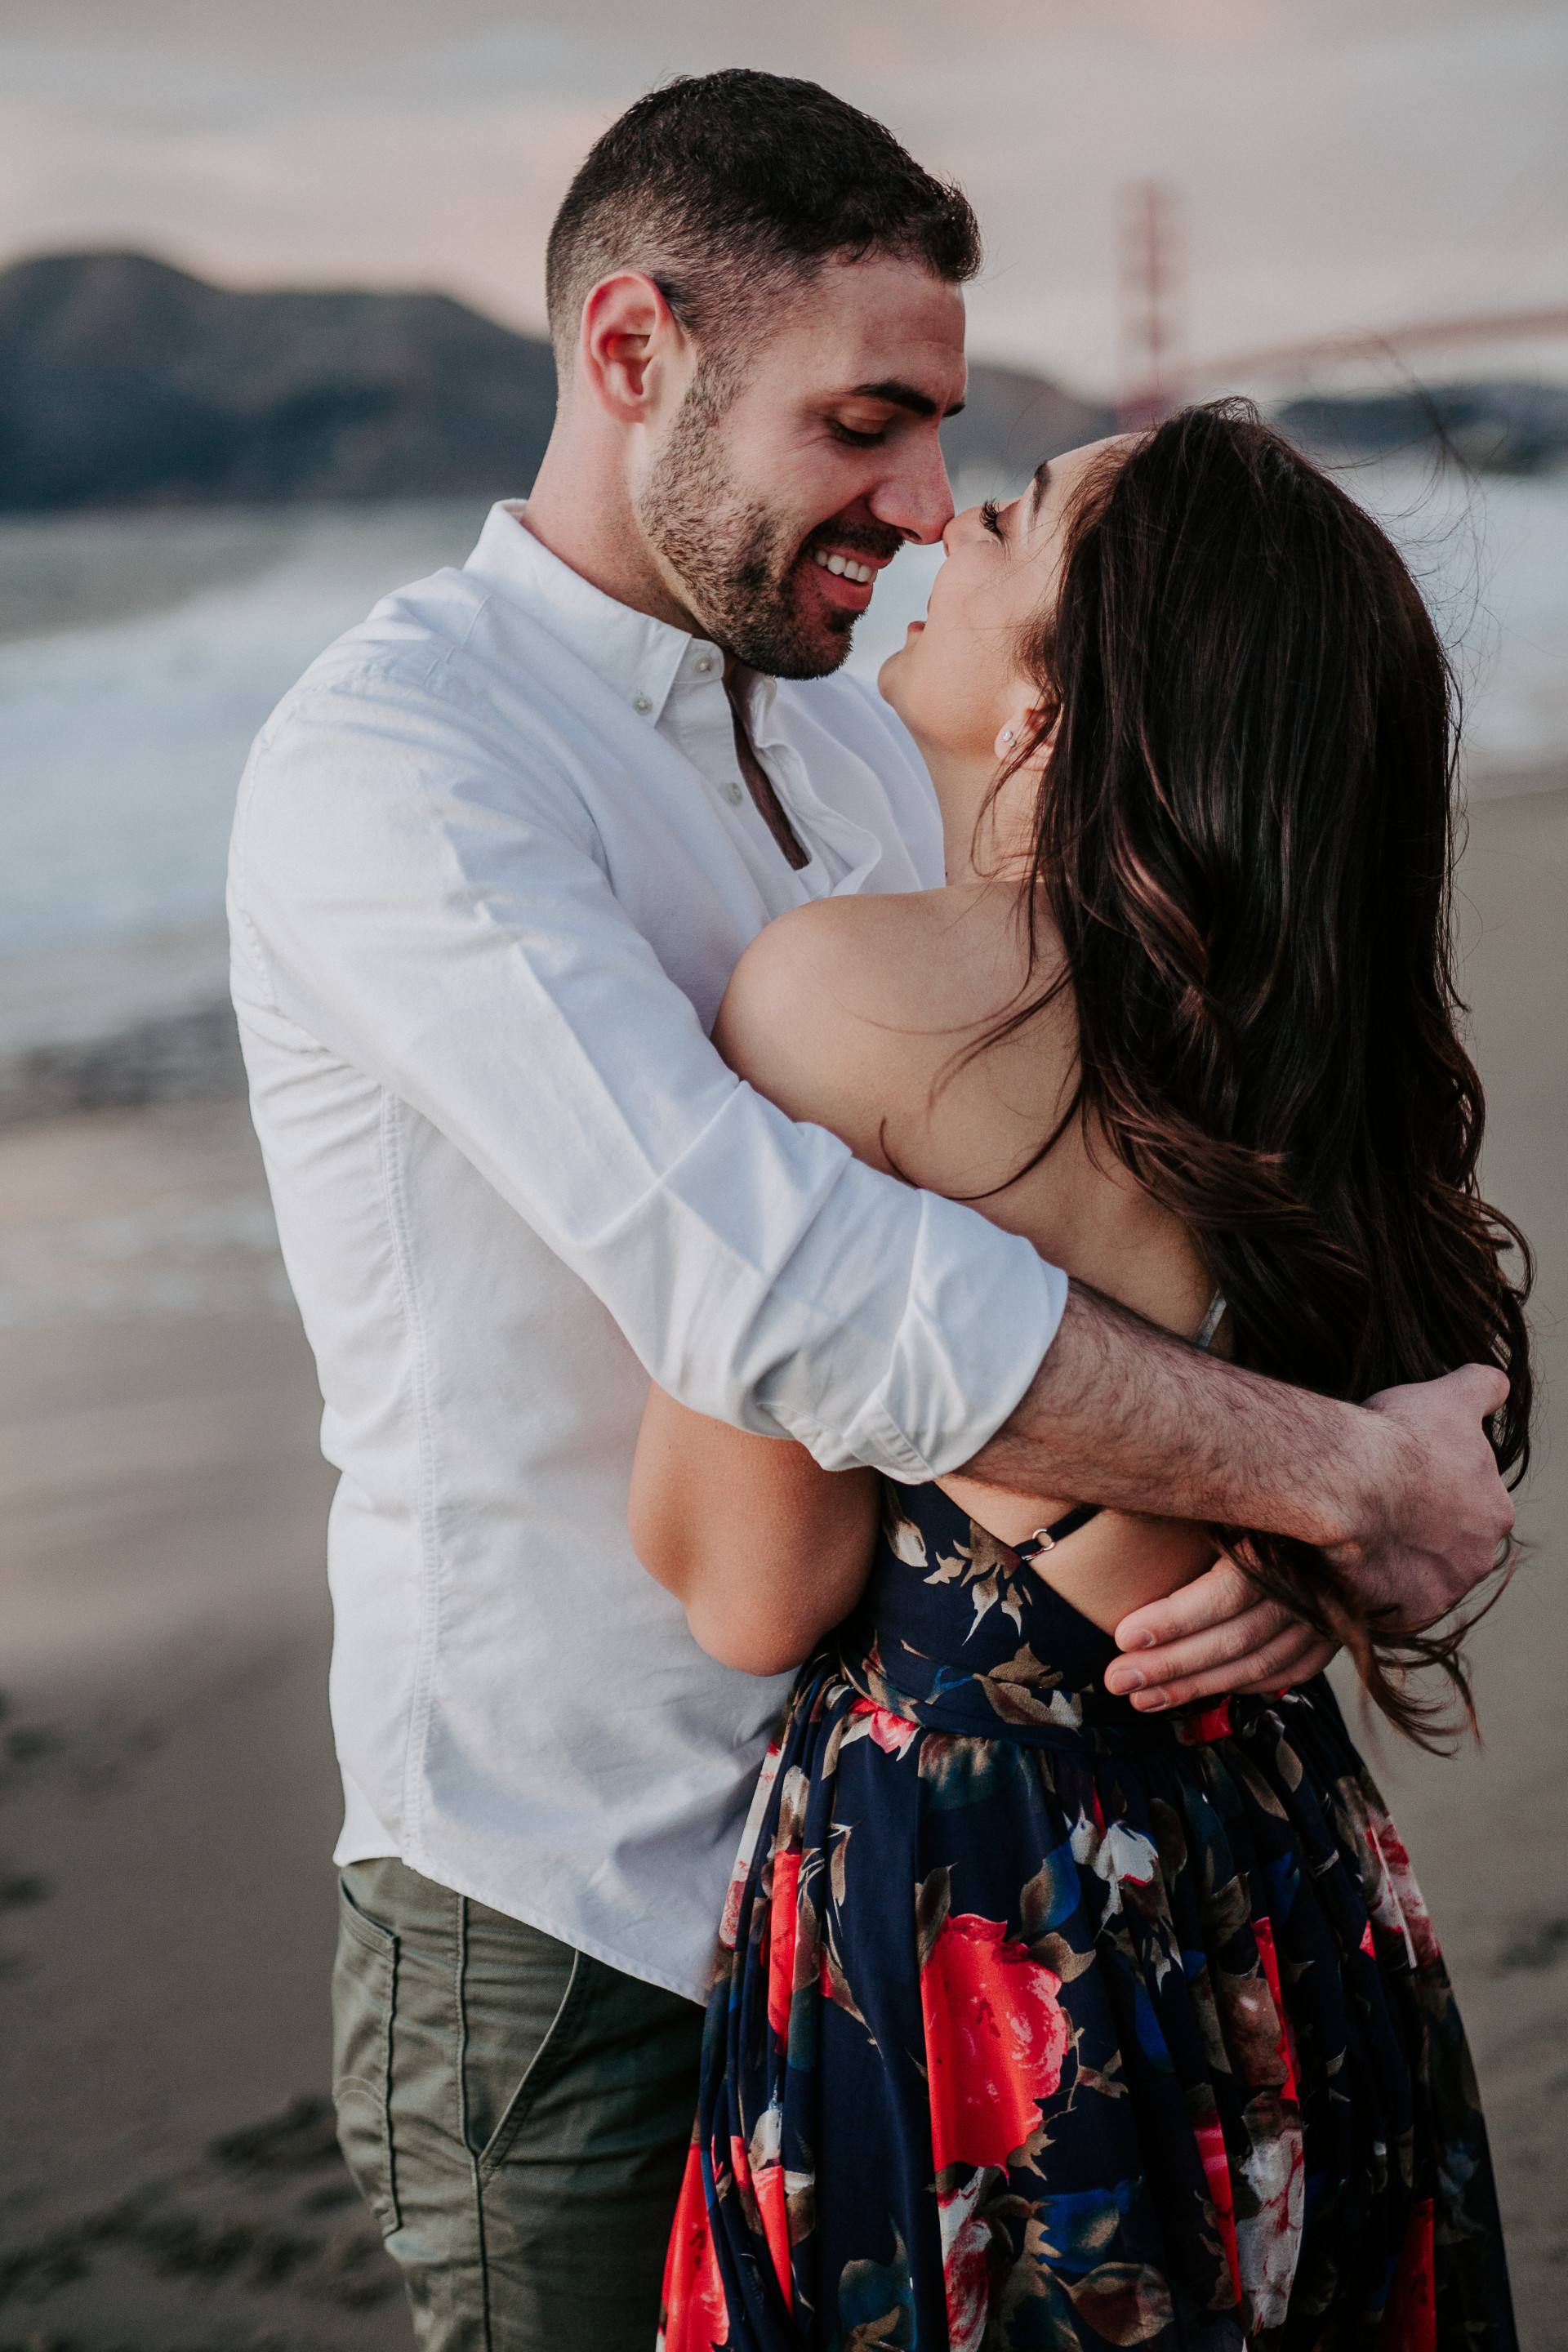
<point>630,347</point>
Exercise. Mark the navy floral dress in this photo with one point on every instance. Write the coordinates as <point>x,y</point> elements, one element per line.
<point>1039,2024</point>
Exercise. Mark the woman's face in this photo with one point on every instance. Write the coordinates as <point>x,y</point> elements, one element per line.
<point>956,682</point>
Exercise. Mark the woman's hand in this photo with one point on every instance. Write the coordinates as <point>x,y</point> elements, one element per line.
<point>766,1551</point>
<point>1216,1634</point>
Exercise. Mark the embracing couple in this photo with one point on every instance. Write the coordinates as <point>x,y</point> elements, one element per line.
<point>1014,1192</point>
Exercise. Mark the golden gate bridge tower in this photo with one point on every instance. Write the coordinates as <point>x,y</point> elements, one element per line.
<point>1156,372</point>
<point>1150,246</point>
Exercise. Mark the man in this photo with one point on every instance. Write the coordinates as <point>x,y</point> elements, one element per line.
<point>493,861</point>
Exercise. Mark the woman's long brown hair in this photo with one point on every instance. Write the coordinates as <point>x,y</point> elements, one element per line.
<point>1246,839</point>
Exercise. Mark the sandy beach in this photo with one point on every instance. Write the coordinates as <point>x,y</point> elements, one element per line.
<point>168,2182</point>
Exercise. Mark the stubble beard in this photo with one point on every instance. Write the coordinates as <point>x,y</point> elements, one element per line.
<point>740,562</point>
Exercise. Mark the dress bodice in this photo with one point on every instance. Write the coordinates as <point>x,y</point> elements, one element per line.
<point>954,1631</point>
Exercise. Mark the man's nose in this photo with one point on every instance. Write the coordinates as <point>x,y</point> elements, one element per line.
<point>916,498</point>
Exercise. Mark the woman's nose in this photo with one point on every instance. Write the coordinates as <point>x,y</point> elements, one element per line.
<point>959,529</point>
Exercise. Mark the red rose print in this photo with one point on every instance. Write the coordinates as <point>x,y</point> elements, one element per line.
<point>695,2317</point>
<point>1263,1937</point>
<point>892,1733</point>
<point>781,1941</point>
<point>1410,2321</point>
<point>1216,2171</point>
<point>996,2036</point>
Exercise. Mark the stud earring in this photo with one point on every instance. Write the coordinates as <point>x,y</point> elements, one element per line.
<point>1007,734</point>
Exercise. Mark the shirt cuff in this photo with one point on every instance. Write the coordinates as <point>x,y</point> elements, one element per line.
<point>982,1308</point>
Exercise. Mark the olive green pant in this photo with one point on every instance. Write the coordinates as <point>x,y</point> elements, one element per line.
<point>515,2114</point>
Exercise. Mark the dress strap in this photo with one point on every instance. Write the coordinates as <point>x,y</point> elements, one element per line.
<point>1046,1539</point>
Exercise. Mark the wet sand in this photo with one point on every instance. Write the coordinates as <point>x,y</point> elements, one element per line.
<point>167,1796</point>
<point>167,1800</point>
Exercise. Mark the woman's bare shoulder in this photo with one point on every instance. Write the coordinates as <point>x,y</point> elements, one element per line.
<point>810,1001</point>
<point>850,958</point>
<point>845,1011</point>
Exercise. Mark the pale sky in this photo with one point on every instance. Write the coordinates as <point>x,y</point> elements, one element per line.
<point>1344,163</point>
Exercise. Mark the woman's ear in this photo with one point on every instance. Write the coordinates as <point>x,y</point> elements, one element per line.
<point>1029,726</point>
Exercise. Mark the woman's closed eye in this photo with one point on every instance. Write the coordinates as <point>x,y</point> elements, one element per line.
<point>991,519</point>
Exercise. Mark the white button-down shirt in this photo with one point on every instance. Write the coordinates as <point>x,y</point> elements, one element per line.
<point>491,874</point>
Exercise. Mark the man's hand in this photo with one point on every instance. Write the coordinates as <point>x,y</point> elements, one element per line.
<point>1430,1535</point>
<point>1444,1511</point>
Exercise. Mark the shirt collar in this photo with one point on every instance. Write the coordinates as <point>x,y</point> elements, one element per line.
<point>638,658</point>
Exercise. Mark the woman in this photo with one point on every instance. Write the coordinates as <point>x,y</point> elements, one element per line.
<point>1042,2017</point>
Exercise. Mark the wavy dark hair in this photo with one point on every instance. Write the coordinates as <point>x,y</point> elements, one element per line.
<point>1246,838</point>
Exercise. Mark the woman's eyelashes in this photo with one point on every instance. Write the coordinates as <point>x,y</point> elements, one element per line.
<point>991,518</point>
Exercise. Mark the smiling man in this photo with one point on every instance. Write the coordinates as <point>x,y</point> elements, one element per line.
<point>494,860</point>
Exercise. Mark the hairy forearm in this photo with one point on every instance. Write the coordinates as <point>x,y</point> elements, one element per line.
<point>1121,1413</point>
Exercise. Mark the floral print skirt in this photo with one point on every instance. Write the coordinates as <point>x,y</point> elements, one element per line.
<point>1038,2023</point>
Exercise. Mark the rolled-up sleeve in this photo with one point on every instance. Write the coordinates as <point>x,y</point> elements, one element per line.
<point>445,921</point>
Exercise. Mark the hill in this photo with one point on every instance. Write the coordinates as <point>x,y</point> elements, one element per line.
<point>126,382</point>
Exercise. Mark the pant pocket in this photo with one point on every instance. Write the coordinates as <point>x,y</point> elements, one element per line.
<point>552,2053</point>
<point>364,2003</point>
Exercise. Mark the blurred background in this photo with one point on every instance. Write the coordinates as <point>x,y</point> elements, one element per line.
<point>271,309</point>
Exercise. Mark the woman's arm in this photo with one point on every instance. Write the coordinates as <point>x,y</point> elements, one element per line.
<point>764,1550</point>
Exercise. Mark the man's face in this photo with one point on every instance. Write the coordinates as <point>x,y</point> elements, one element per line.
<point>770,520</point>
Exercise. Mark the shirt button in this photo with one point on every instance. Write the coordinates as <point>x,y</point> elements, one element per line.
<point>641,703</point>
<point>733,793</point>
<point>703,664</point>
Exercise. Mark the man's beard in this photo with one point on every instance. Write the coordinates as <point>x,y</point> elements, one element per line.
<point>739,562</point>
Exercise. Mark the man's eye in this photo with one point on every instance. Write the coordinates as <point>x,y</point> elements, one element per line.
<point>857,440</point>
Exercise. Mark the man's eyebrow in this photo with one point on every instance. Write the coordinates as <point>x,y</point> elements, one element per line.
<point>1039,486</point>
<point>902,395</point>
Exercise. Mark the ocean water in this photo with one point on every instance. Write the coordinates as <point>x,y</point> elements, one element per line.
<point>122,737</point>
<point>139,656</point>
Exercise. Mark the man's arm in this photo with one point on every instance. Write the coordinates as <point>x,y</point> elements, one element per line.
<point>1404,1493</point>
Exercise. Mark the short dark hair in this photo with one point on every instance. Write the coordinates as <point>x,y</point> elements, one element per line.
<point>725,187</point>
